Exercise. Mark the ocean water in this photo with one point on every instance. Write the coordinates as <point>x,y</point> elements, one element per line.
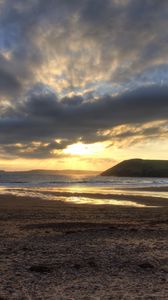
<point>81,188</point>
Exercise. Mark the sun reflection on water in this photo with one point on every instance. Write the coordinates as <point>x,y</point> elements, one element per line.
<point>71,196</point>
<point>84,200</point>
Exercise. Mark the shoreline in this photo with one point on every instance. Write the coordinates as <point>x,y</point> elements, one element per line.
<point>145,195</point>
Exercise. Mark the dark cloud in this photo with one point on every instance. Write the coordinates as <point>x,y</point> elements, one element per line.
<point>76,100</point>
<point>124,136</point>
<point>8,83</point>
<point>34,150</point>
<point>45,118</point>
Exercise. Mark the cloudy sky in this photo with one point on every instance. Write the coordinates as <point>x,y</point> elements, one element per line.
<point>83,84</point>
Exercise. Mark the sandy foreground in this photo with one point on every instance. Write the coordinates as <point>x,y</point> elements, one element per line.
<point>57,250</point>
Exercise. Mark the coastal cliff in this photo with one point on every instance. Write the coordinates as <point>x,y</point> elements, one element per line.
<point>139,168</point>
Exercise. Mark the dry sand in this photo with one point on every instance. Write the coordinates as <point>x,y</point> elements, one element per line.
<point>57,250</point>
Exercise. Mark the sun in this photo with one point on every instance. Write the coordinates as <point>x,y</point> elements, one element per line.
<point>79,149</point>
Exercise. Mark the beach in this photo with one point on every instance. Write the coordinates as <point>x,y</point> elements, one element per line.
<point>83,150</point>
<point>65,250</point>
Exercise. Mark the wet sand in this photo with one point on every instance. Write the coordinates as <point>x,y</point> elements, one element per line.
<point>150,189</point>
<point>58,250</point>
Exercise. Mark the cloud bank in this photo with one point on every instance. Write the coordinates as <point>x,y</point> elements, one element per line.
<point>42,119</point>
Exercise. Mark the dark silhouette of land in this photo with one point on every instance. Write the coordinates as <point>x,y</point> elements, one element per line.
<point>55,172</point>
<point>139,168</point>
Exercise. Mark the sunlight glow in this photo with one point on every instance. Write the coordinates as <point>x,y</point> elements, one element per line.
<point>80,149</point>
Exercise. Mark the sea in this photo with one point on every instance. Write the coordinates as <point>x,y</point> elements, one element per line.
<point>81,187</point>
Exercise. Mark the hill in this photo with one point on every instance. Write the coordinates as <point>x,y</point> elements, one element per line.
<point>62,172</point>
<point>139,168</point>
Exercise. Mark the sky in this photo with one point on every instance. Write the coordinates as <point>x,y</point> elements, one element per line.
<point>83,84</point>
